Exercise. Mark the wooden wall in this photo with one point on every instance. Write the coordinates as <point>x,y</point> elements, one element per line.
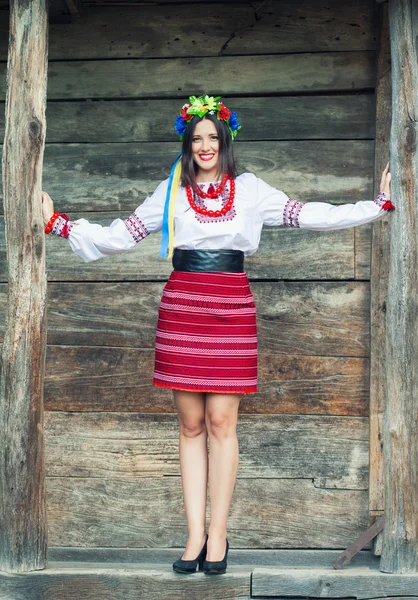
<point>301,75</point>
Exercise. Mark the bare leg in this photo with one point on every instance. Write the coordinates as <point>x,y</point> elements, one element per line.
<point>221,422</point>
<point>193,466</point>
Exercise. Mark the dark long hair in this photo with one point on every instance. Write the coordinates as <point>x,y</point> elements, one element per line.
<point>226,160</point>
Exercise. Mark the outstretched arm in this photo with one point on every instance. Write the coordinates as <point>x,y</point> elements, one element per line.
<point>324,216</point>
<point>92,241</point>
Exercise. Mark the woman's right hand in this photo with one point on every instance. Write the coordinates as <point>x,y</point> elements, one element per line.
<point>47,207</point>
<point>385,181</point>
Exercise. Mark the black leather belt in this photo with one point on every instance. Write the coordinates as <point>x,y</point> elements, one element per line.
<point>227,261</point>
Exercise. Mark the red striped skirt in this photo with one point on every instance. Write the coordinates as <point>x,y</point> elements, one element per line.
<point>206,334</point>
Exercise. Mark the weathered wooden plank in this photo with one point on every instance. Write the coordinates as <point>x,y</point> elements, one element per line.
<point>120,379</point>
<point>161,78</point>
<point>325,117</point>
<point>112,446</point>
<point>380,247</point>
<point>23,523</point>
<point>127,582</point>
<point>355,582</point>
<point>149,512</point>
<point>285,557</point>
<point>283,253</point>
<point>342,382</point>
<point>165,31</point>
<point>73,557</point>
<point>313,318</point>
<point>120,176</point>
<point>400,423</point>
<point>85,581</point>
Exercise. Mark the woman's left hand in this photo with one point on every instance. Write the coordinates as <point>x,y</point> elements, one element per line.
<point>385,182</point>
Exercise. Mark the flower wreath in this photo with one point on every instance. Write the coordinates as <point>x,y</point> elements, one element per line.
<point>201,106</point>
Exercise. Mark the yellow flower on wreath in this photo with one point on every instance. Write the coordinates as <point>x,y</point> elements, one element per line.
<point>202,105</point>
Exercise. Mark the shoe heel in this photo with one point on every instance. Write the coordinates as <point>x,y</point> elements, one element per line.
<point>191,566</point>
<point>201,561</point>
<point>217,567</point>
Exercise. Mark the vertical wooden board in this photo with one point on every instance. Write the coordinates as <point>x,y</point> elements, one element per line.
<point>400,432</point>
<point>380,248</point>
<point>23,524</point>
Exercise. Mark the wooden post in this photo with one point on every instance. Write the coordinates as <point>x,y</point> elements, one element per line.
<point>23,525</point>
<point>379,280</point>
<point>400,430</point>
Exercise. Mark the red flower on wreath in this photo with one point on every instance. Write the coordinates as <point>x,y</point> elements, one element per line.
<point>224,113</point>
<point>184,113</point>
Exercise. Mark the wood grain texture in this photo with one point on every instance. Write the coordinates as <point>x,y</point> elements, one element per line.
<point>161,78</point>
<point>149,512</point>
<point>313,318</point>
<point>107,379</point>
<point>141,581</point>
<point>310,318</point>
<point>380,249</point>
<point>356,582</point>
<point>238,28</point>
<point>363,248</point>
<point>111,177</point>
<point>67,556</point>
<point>331,451</point>
<point>278,118</point>
<point>400,423</point>
<point>23,523</point>
<point>127,582</point>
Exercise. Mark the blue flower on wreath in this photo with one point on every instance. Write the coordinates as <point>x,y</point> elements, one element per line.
<point>180,125</point>
<point>233,122</point>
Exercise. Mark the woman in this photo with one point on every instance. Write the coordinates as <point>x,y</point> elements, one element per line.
<point>206,342</point>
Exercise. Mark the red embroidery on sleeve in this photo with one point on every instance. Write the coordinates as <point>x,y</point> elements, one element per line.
<point>136,227</point>
<point>291,212</point>
<point>62,226</point>
<point>383,202</point>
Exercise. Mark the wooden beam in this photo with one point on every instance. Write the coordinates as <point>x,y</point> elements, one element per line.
<point>379,280</point>
<point>22,473</point>
<point>400,446</point>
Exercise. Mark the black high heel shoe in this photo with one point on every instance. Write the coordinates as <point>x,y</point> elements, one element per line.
<point>189,566</point>
<point>216,567</point>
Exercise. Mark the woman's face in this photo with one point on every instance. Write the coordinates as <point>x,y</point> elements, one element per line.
<point>205,149</point>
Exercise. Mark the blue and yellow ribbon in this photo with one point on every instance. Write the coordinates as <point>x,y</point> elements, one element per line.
<point>167,241</point>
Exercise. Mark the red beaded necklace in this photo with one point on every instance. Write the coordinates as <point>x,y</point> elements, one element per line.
<point>213,194</point>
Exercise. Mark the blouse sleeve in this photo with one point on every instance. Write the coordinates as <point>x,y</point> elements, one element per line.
<point>92,241</point>
<point>276,208</point>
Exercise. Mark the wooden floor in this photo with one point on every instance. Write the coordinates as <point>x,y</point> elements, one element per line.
<point>136,574</point>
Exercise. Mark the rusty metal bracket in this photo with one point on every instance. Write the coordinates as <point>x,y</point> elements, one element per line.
<point>360,542</point>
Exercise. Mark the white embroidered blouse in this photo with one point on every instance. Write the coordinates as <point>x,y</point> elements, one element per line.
<point>256,204</point>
